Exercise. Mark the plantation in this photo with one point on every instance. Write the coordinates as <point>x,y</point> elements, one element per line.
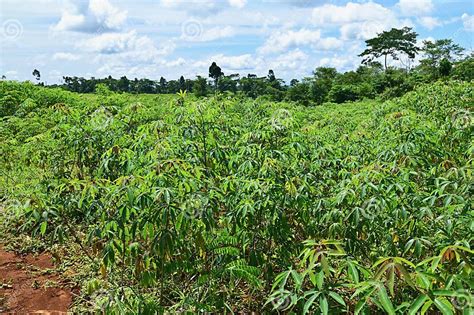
<point>228,204</point>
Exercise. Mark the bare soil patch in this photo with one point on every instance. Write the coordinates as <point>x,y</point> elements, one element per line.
<point>29,285</point>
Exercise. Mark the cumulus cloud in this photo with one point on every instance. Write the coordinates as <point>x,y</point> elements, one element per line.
<point>90,17</point>
<point>203,7</point>
<point>238,3</point>
<point>128,47</point>
<point>341,63</point>
<point>429,22</point>
<point>351,12</point>
<point>415,7</point>
<point>369,29</point>
<point>282,40</point>
<point>293,60</point>
<point>66,56</point>
<point>468,22</point>
<point>357,21</point>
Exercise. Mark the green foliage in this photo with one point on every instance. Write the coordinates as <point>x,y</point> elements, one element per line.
<point>238,205</point>
<point>200,87</point>
<point>391,43</point>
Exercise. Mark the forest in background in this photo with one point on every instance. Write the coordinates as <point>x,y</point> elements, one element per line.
<point>440,59</point>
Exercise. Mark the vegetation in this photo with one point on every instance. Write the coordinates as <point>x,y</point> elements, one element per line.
<point>440,60</point>
<point>242,205</point>
<point>242,197</point>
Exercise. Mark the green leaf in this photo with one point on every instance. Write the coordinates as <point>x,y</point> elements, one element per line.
<point>385,301</point>
<point>323,305</point>
<point>426,306</point>
<point>415,306</point>
<point>43,227</point>
<point>444,306</point>
<point>359,306</point>
<point>353,273</point>
<point>337,298</point>
<point>320,279</point>
<point>310,302</point>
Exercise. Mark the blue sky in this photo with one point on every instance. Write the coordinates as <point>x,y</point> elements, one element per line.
<point>153,38</point>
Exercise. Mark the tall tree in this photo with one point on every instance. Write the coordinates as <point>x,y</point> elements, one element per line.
<point>391,43</point>
<point>182,83</point>
<point>36,74</point>
<point>215,72</point>
<point>271,75</point>
<point>439,56</point>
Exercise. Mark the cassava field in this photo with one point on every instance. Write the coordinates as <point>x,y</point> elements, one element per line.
<point>161,203</point>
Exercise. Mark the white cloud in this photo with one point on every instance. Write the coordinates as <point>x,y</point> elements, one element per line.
<point>282,40</point>
<point>293,60</point>
<point>230,63</point>
<point>429,22</point>
<point>174,63</point>
<point>357,20</point>
<point>65,56</point>
<point>468,22</point>
<point>127,47</point>
<point>341,63</point>
<point>369,29</point>
<point>416,7</point>
<point>112,43</point>
<point>238,3</point>
<point>351,12</point>
<point>208,35</point>
<point>93,16</point>
<point>12,74</point>
<point>202,7</point>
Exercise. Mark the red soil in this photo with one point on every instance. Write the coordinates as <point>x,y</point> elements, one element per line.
<point>25,287</point>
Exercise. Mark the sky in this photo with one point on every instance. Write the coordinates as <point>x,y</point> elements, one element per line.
<point>170,38</point>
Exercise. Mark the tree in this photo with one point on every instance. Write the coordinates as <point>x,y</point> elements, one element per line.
<point>445,67</point>
<point>439,57</point>
<point>294,82</point>
<point>36,74</point>
<point>215,72</point>
<point>391,43</point>
<point>124,84</point>
<point>271,76</point>
<point>464,69</point>
<point>163,86</point>
<point>182,83</point>
<point>200,86</point>
<point>322,83</point>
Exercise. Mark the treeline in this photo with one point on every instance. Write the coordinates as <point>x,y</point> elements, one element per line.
<point>440,59</point>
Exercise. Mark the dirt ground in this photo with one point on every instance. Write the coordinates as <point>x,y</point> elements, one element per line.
<point>29,285</point>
